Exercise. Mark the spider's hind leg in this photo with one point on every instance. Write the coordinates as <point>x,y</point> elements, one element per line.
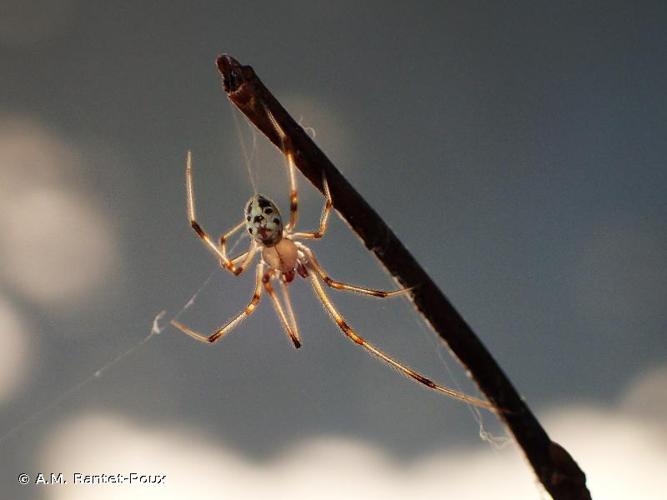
<point>400,367</point>
<point>289,325</point>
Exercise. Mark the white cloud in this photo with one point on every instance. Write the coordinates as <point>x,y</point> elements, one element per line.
<point>320,468</point>
<point>622,452</point>
<point>57,243</point>
<point>623,455</point>
<point>619,465</point>
<point>647,397</point>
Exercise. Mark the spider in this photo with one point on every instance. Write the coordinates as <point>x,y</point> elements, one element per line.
<point>283,256</point>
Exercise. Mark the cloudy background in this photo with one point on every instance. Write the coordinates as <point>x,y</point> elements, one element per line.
<point>518,151</point>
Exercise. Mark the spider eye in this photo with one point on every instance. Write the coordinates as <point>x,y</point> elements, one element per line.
<point>268,211</point>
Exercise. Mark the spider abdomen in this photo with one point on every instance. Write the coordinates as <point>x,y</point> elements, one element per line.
<point>263,220</point>
<point>282,256</point>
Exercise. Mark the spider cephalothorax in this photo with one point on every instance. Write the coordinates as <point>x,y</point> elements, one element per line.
<point>284,256</point>
<point>263,220</point>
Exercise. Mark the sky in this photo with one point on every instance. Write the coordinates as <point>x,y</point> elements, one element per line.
<point>516,149</point>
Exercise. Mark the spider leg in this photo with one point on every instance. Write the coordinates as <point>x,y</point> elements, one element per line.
<point>221,251</point>
<point>401,368</point>
<point>245,258</point>
<point>238,258</point>
<point>290,311</point>
<point>324,217</point>
<point>222,243</point>
<point>293,195</point>
<point>223,330</point>
<point>339,285</point>
<point>291,330</point>
<point>288,151</point>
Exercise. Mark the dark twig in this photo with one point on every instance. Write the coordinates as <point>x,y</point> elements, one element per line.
<point>554,466</point>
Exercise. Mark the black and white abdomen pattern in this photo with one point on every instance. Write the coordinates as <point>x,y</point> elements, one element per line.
<point>263,220</point>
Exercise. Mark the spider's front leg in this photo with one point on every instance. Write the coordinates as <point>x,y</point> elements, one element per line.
<point>324,217</point>
<point>288,150</point>
<point>223,330</point>
<point>293,195</point>
<point>244,258</point>
<point>220,252</point>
